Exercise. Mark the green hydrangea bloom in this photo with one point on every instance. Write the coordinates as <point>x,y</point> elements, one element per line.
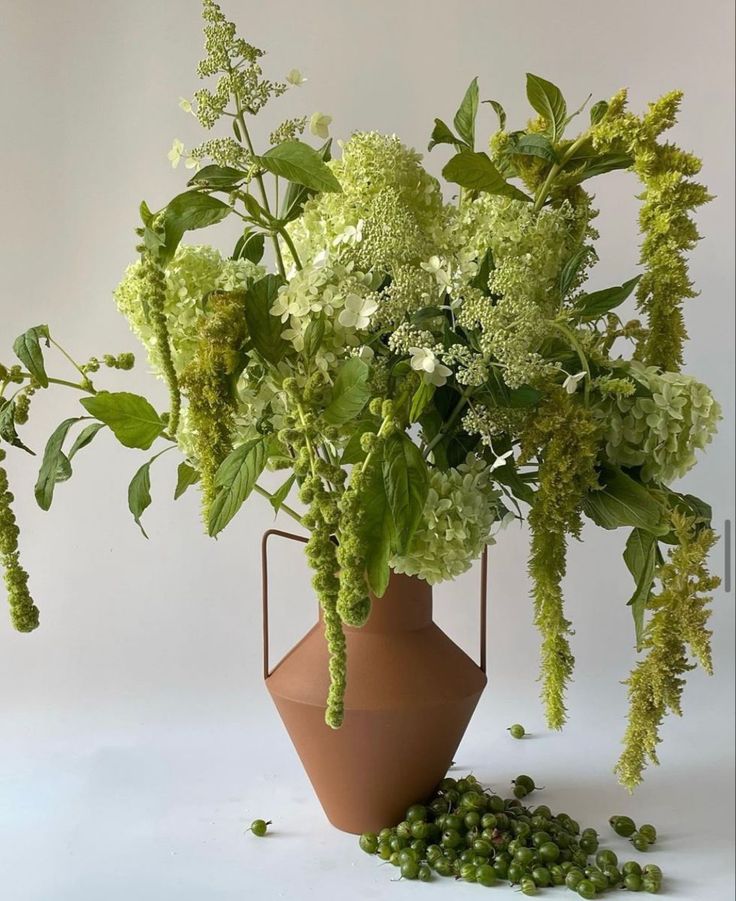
<point>459,513</point>
<point>662,428</point>
<point>194,272</point>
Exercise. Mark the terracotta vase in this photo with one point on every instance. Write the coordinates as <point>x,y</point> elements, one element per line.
<point>410,695</point>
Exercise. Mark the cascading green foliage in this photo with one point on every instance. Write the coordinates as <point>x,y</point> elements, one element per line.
<point>677,632</point>
<point>23,612</point>
<point>209,384</point>
<point>426,370</point>
<point>565,438</point>
<point>669,232</point>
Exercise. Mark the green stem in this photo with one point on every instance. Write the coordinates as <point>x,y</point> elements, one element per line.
<point>577,347</point>
<point>69,357</point>
<point>554,171</point>
<point>292,249</point>
<point>459,406</point>
<point>88,389</point>
<point>284,507</point>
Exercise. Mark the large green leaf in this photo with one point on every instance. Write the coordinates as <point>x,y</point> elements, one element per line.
<point>350,392</point>
<point>476,172</point>
<point>598,303</point>
<point>299,163</point>
<point>599,164</point>
<point>27,348</point>
<point>131,417</point>
<point>376,527</point>
<point>249,246</point>
<point>353,452</point>
<point>407,483</point>
<point>623,502</point>
<point>235,479</point>
<point>467,113</point>
<point>640,556</point>
<point>535,145</point>
<point>263,327</point>
<point>139,494</point>
<point>187,212</point>
<point>217,177</point>
<point>53,464</point>
<point>296,195</point>
<point>546,98</point>
<point>443,134</point>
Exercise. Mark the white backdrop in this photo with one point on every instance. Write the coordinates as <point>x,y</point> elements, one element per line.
<point>136,736</point>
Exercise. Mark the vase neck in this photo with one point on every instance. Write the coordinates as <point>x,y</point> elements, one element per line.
<point>405,606</point>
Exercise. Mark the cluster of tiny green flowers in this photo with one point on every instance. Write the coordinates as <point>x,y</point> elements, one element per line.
<point>611,386</point>
<point>192,274</point>
<point>124,361</point>
<point>661,430</point>
<point>458,516</point>
<point>492,422</point>
<point>680,613</point>
<point>23,612</point>
<point>665,220</point>
<point>236,61</point>
<point>470,368</point>
<point>226,152</point>
<point>289,130</point>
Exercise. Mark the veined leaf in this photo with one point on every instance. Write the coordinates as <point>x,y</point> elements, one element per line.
<point>623,502</point>
<point>598,303</point>
<point>186,475</point>
<point>187,212</point>
<point>598,111</point>
<point>313,335</point>
<point>407,483</point>
<point>546,98</point>
<point>500,112</point>
<point>353,452</point>
<point>571,269</point>
<point>217,177</point>
<point>132,419</point>
<point>443,134</point>
<point>476,172</point>
<point>467,112</point>
<point>139,494</point>
<point>350,393</point>
<point>298,162</point>
<point>278,498</point>
<point>535,145</point>
<point>264,328</point>
<point>377,528</point>
<point>421,400</point>
<point>296,195</point>
<point>482,276</point>
<point>52,464</point>
<point>85,437</point>
<point>27,348</point>
<point>249,246</point>
<point>640,557</point>
<point>235,479</point>
<point>7,426</point>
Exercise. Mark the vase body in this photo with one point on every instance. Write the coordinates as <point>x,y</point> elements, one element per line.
<point>410,695</point>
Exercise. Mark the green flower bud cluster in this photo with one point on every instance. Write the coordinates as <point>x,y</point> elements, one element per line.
<point>23,406</point>
<point>12,374</point>
<point>23,612</point>
<point>153,283</point>
<point>125,361</point>
<point>660,429</point>
<point>565,438</point>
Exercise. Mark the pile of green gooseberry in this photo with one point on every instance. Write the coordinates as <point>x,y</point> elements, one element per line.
<point>470,833</point>
<point>640,838</point>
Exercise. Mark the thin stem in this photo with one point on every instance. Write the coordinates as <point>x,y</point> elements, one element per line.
<point>577,347</point>
<point>267,494</point>
<point>88,389</point>
<point>459,406</point>
<point>292,249</point>
<point>69,357</point>
<point>554,171</point>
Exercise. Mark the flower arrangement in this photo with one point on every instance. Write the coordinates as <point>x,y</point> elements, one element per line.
<point>422,370</point>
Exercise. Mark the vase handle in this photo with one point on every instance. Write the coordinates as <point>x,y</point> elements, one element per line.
<point>292,537</point>
<point>264,588</point>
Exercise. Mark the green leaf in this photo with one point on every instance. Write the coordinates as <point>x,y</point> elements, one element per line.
<point>571,269</point>
<point>546,98</point>
<point>313,335</point>
<point>264,328</point>
<point>623,502</point>
<point>500,112</point>
<point>188,212</point>
<point>640,557</point>
<point>407,483</point>
<point>421,400</point>
<point>186,475</point>
<point>250,246</point>
<point>535,145</point>
<point>256,211</point>
<point>299,163</point>
<point>235,479</point>
<point>297,195</point>
<point>217,177</point>
<point>279,496</point>
<point>376,529</point>
<point>482,276</point>
<point>353,452</point>
<point>52,464</point>
<point>7,426</point>
<point>598,303</point>
<point>350,392</point>
<point>425,314</point>
<point>598,111</point>
<point>442,134</point>
<point>85,437</point>
<point>467,113</point>
<point>132,419</point>
<point>27,348</point>
<point>600,165</point>
<point>139,494</point>
<point>509,476</point>
<point>523,396</point>
<point>476,172</point>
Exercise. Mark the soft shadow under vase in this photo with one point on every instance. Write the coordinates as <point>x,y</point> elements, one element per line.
<point>410,695</point>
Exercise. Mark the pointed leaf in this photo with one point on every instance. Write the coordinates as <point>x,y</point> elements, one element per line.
<point>264,328</point>
<point>187,212</point>
<point>186,475</point>
<point>350,393</point>
<point>476,172</point>
<point>139,494</point>
<point>376,529</point>
<point>27,348</point>
<point>278,498</point>
<point>299,163</point>
<point>500,112</point>
<point>467,113</point>
<point>623,502</point>
<point>132,419</point>
<point>640,557</point>
<point>217,177</point>
<point>598,303</point>
<point>52,464</point>
<point>407,483</point>
<point>535,145</point>
<point>235,479</point>
<point>442,134</point>
<point>85,437</point>
<point>598,111</point>
<point>546,98</point>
